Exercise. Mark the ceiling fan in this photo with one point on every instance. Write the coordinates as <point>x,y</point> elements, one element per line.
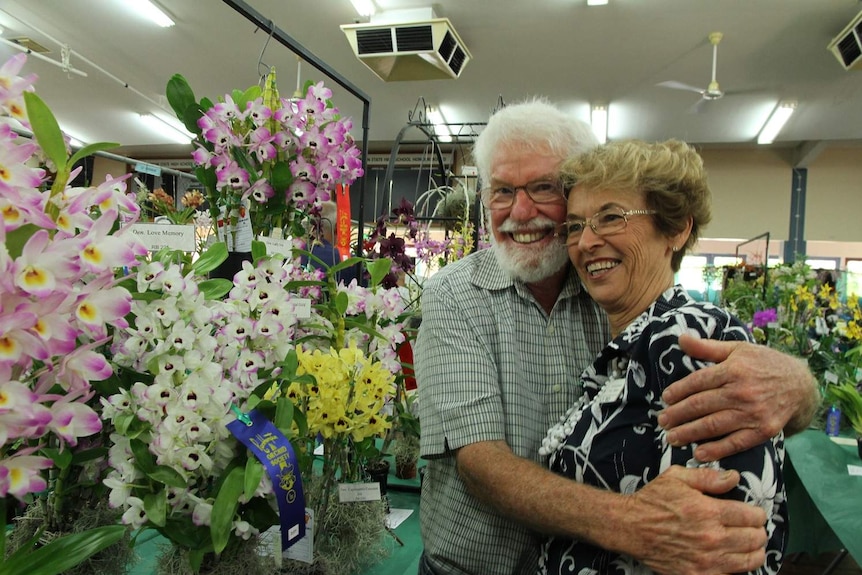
<point>712,91</point>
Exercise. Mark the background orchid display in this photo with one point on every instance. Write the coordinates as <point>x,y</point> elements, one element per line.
<point>277,157</point>
<point>801,312</point>
<point>59,300</point>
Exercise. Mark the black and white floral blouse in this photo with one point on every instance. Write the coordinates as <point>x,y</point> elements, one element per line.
<point>611,438</point>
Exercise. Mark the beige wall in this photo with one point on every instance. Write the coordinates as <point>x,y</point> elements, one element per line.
<point>834,199</point>
<point>750,193</point>
<point>103,167</point>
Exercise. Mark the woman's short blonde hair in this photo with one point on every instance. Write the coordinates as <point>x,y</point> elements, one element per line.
<point>669,174</point>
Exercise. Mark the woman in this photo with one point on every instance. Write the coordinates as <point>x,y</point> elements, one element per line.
<point>634,209</point>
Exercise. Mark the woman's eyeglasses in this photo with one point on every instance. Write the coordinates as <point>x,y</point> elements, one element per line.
<point>605,222</point>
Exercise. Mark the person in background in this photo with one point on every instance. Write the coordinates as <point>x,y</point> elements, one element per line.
<point>633,213</point>
<point>323,249</point>
<point>505,334</point>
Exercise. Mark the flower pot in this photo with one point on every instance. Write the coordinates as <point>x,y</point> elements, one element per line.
<point>379,471</point>
<point>405,470</point>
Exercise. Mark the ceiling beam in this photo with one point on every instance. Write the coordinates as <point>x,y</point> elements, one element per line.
<point>807,152</point>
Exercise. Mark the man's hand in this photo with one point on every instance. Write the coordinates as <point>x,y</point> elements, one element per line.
<point>681,531</point>
<point>748,397</point>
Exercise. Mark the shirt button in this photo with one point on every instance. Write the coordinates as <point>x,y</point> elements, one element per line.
<point>557,387</point>
<point>550,330</point>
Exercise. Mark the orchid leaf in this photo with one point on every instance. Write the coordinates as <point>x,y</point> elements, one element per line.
<point>283,413</point>
<point>215,288</point>
<point>156,507</point>
<point>341,303</point>
<point>91,149</point>
<point>81,457</point>
<point>180,94</point>
<point>349,262</point>
<point>224,508</point>
<point>17,239</point>
<point>281,177</point>
<point>61,554</point>
<point>62,459</point>
<point>258,250</point>
<point>46,130</point>
<point>143,458</point>
<point>378,270</point>
<point>214,256</point>
<point>253,474</point>
<point>168,476</point>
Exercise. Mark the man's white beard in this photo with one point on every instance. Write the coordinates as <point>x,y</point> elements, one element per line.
<point>527,263</point>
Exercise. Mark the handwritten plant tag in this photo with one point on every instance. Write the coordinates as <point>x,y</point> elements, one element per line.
<point>157,236</point>
<point>353,492</point>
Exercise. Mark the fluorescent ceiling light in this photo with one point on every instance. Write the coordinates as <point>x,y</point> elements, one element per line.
<point>440,126</point>
<point>596,2</point>
<point>364,7</point>
<point>776,121</point>
<point>151,12</point>
<point>599,122</point>
<point>167,128</point>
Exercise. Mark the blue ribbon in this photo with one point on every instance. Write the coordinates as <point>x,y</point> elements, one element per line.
<point>276,454</point>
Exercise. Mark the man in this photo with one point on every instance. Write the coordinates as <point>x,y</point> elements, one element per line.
<point>324,251</point>
<point>504,336</point>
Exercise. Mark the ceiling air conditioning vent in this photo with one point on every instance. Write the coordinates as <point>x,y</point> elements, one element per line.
<point>847,46</point>
<point>374,41</point>
<point>413,50</point>
<point>414,38</point>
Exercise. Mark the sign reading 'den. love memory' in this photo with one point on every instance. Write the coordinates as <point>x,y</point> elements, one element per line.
<point>158,236</point>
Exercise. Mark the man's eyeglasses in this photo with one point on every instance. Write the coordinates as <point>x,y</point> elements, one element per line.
<point>605,222</point>
<point>540,191</point>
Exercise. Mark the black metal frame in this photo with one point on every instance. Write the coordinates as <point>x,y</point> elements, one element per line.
<point>286,40</point>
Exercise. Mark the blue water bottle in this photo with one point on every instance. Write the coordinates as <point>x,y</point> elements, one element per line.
<point>833,421</point>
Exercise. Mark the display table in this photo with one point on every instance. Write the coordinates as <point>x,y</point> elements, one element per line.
<point>825,501</point>
<point>403,557</point>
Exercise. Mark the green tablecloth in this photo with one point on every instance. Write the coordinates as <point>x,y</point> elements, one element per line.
<point>825,501</point>
<point>401,560</point>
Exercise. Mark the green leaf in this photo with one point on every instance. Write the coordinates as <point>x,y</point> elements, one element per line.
<point>290,365</point>
<point>88,455</point>
<point>378,270</point>
<point>341,302</point>
<point>62,459</point>
<point>215,288</point>
<point>122,422</point>
<point>282,177</point>
<point>16,239</point>
<point>224,508</point>
<point>258,250</point>
<point>61,554</point>
<point>253,474</point>
<point>156,507</point>
<point>143,458</point>
<point>168,476</point>
<point>46,130</point>
<point>91,149</point>
<point>214,256</point>
<point>349,262</point>
<point>283,413</point>
<point>180,94</point>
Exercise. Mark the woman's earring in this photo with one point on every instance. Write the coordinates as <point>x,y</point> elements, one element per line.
<point>676,249</point>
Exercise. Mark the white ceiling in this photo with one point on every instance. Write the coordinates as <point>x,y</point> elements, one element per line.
<point>562,49</point>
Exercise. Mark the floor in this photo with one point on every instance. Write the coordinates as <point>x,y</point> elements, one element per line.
<point>805,565</point>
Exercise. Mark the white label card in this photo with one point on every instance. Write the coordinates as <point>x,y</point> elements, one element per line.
<point>302,550</point>
<point>301,307</point>
<point>158,236</point>
<point>274,246</point>
<point>854,470</point>
<point>830,377</point>
<point>353,492</point>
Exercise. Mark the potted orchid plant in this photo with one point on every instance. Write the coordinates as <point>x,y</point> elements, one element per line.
<point>266,161</point>
<point>60,248</point>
